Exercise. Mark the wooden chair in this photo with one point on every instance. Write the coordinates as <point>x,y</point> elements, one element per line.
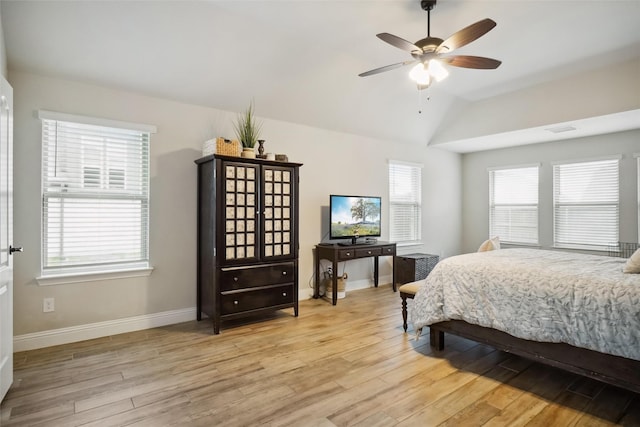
<point>407,290</point>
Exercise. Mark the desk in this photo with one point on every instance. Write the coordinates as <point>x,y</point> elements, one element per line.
<point>338,253</point>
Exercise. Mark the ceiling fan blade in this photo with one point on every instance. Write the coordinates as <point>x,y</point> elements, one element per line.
<point>387,68</point>
<point>398,42</point>
<point>465,61</point>
<point>466,35</point>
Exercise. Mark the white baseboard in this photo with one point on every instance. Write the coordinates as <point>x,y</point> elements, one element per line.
<point>352,285</point>
<point>101,329</point>
<point>119,326</point>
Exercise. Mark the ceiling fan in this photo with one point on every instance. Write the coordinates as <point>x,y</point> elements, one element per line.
<point>430,53</point>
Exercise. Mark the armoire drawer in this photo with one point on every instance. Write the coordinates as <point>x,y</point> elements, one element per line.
<point>239,301</point>
<point>251,277</point>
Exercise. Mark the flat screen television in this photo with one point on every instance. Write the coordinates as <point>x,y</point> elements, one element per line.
<point>352,217</point>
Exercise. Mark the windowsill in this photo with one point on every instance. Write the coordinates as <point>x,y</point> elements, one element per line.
<point>408,244</point>
<point>521,245</point>
<point>94,276</point>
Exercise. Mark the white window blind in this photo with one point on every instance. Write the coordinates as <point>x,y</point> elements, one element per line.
<point>513,204</point>
<point>95,196</point>
<point>586,204</point>
<point>405,195</point>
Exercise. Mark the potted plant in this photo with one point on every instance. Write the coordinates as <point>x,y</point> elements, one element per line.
<point>248,131</point>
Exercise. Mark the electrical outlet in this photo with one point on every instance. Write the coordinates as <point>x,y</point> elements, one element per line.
<point>48,305</point>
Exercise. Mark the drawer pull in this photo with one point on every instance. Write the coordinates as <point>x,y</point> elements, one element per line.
<point>284,294</point>
<point>235,302</point>
<point>369,252</point>
<point>348,253</point>
<point>284,273</point>
<point>235,279</point>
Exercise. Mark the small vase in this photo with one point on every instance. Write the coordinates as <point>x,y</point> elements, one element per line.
<point>261,148</point>
<point>248,153</point>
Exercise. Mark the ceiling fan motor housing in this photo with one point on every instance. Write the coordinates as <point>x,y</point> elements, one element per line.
<point>427,4</point>
<point>428,45</point>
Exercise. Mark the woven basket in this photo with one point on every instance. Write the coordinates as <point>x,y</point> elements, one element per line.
<point>227,147</point>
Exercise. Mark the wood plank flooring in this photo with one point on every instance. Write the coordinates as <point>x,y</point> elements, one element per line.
<point>332,366</point>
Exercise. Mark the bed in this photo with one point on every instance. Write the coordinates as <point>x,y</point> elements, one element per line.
<point>573,311</point>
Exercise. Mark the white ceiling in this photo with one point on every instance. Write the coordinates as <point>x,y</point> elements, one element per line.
<point>299,60</point>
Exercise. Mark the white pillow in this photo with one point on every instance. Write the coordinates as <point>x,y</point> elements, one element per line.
<point>490,244</point>
<point>633,263</point>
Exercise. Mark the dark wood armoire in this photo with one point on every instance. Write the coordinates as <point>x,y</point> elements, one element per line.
<point>247,237</point>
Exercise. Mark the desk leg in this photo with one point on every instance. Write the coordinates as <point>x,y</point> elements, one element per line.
<point>316,283</point>
<point>334,283</point>
<point>375,271</point>
<point>393,273</point>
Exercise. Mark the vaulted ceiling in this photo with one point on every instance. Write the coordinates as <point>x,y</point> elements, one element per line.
<point>299,60</point>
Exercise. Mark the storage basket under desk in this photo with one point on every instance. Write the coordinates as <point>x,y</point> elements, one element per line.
<point>412,267</point>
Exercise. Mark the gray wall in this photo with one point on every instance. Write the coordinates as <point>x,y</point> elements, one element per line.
<point>333,163</point>
<point>475,182</point>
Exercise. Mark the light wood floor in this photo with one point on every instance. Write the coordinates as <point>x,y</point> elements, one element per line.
<point>345,365</point>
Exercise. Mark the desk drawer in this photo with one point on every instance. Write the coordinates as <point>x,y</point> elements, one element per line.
<point>364,252</point>
<point>239,301</point>
<point>388,250</point>
<point>250,277</point>
<point>346,254</point>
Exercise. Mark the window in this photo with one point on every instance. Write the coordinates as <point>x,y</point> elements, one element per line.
<point>513,204</point>
<point>586,204</point>
<point>405,195</point>
<point>95,195</point>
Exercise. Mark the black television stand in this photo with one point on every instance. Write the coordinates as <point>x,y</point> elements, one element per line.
<point>337,253</point>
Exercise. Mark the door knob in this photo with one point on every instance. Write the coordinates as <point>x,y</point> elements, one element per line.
<point>12,250</point>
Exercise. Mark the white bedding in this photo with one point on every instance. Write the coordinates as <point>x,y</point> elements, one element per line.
<point>549,296</point>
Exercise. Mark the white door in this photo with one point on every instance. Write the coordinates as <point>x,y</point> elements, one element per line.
<point>6,235</point>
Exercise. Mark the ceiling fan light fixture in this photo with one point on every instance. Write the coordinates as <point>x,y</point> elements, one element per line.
<point>420,75</point>
<point>437,70</point>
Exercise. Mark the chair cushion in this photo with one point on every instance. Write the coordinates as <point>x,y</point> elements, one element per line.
<point>410,288</point>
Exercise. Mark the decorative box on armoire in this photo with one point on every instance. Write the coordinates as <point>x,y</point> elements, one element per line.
<point>413,267</point>
<point>247,237</point>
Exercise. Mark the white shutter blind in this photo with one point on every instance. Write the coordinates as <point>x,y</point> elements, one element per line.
<point>586,204</point>
<point>95,197</point>
<point>513,204</point>
<point>405,194</point>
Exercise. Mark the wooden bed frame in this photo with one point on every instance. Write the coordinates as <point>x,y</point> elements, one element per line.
<point>615,370</point>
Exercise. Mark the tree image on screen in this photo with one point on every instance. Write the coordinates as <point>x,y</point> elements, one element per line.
<point>355,216</point>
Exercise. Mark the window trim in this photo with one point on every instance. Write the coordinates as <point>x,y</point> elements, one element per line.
<point>579,246</point>
<point>490,170</point>
<point>100,271</point>
<point>95,121</point>
<point>418,240</point>
<point>67,278</point>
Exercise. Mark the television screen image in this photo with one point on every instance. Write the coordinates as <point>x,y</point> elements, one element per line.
<point>354,216</point>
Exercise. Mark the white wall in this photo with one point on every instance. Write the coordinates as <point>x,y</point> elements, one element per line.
<point>603,91</point>
<point>3,49</point>
<point>333,163</point>
<point>475,182</point>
